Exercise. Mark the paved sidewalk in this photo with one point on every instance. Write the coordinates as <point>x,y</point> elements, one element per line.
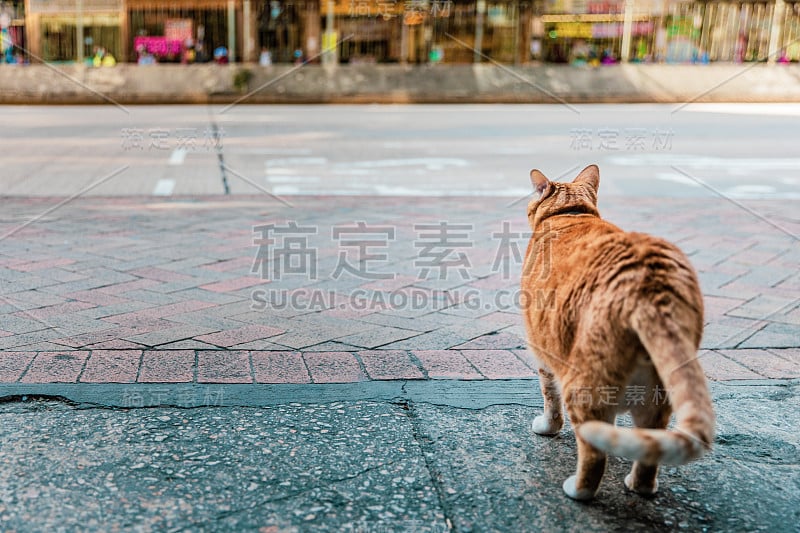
<point>146,290</point>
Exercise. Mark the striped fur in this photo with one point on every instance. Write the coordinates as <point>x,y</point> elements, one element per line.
<point>619,332</point>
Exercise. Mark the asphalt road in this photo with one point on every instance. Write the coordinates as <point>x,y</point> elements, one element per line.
<point>740,150</point>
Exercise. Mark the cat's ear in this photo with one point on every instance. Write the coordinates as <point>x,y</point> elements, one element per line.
<point>590,176</point>
<point>540,182</point>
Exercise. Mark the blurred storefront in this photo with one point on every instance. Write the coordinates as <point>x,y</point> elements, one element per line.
<point>12,32</point>
<point>406,31</point>
<point>69,30</point>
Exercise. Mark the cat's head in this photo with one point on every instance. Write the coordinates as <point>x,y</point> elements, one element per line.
<point>552,198</point>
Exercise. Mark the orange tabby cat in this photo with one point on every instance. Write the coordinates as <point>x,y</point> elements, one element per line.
<point>618,331</point>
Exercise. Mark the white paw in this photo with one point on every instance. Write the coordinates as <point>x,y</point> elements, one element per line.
<point>573,492</point>
<point>545,425</point>
<point>648,492</point>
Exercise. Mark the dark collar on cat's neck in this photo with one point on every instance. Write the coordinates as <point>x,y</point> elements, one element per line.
<point>574,210</point>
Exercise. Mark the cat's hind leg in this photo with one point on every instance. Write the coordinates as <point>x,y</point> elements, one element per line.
<point>552,420</point>
<point>653,415</point>
<point>584,483</point>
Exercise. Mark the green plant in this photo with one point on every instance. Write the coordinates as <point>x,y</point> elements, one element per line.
<point>242,79</point>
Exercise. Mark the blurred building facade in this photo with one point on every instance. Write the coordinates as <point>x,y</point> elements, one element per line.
<point>407,31</point>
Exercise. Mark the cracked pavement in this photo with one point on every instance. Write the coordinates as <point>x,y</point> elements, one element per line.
<point>416,458</point>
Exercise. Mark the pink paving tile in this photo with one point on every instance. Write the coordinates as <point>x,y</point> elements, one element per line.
<point>527,357</point>
<point>217,366</point>
<point>4,333</point>
<point>498,364</point>
<point>496,341</point>
<point>112,366</point>
<point>13,364</point>
<point>765,363</point>
<point>97,297</point>
<point>391,284</point>
<point>496,281</point>
<point>231,264</point>
<point>333,367</point>
<point>160,311</point>
<point>41,265</point>
<point>159,274</point>
<point>115,344</point>
<point>389,364</point>
<point>54,310</point>
<point>279,367</point>
<point>790,354</point>
<point>235,284</point>
<point>55,367</point>
<point>114,332</point>
<point>241,335</point>
<point>446,364</point>
<point>126,286</point>
<point>719,368</point>
<point>167,366</point>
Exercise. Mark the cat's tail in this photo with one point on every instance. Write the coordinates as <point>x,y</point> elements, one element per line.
<point>674,356</point>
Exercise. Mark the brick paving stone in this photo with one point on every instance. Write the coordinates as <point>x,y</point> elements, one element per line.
<point>719,368</point>
<point>22,339</point>
<point>97,297</point>
<point>332,346</point>
<point>446,364</point>
<point>33,299</point>
<point>22,324</point>
<point>111,366</point>
<point>164,336</point>
<point>111,310</point>
<point>764,306</point>
<point>442,339</point>
<point>764,363</point>
<point>389,364</point>
<point>167,366</point>
<point>116,344</point>
<point>240,335</point>
<point>55,367</point>
<point>279,367</point>
<point>162,311</point>
<point>333,367</point>
<point>528,358</point>
<point>40,265</point>
<point>771,336</point>
<point>498,364</point>
<point>139,278</point>
<point>497,341</point>
<point>121,288</point>
<point>235,284</point>
<point>13,364</point>
<point>223,367</point>
<point>717,306</point>
<point>790,354</point>
<point>377,336</point>
<point>158,274</point>
<point>237,263</point>
<point>188,344</point>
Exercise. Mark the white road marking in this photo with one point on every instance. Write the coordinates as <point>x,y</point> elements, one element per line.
<point>750,191</point>
<point>433,163</point>
<point>700,161</point>
<point>787,110</point>
<point>293,179</point>
<point>290,161</point>
<point>177,156</point>
<point>164,188</point>
<point>269,151</point>
<point>677,178</point>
